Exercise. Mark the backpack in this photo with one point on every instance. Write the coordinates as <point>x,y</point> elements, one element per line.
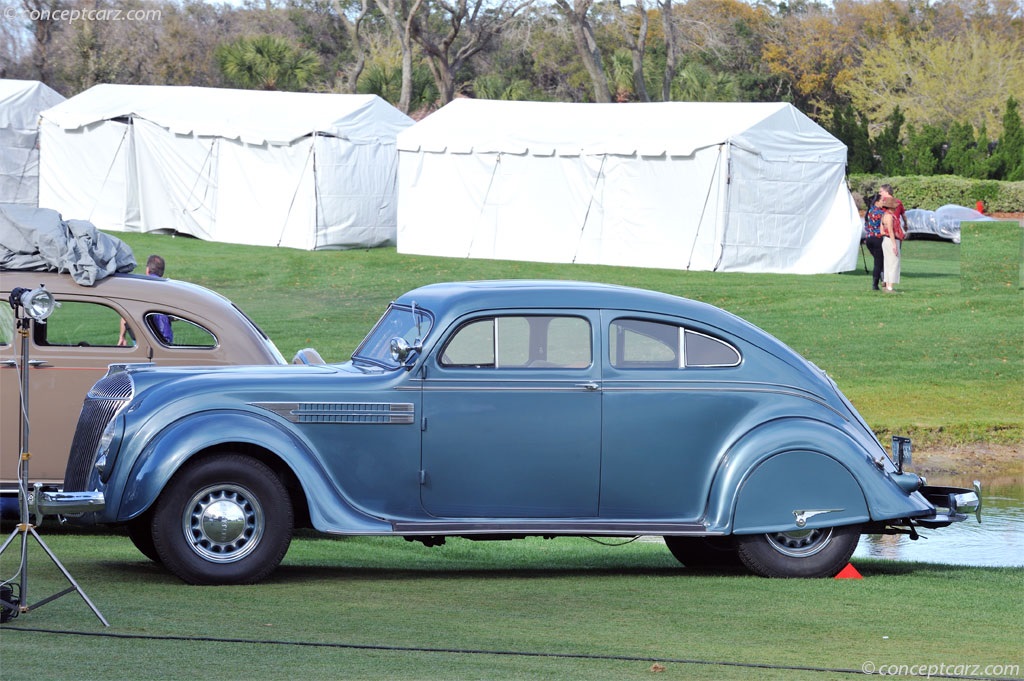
<point>897,228</point>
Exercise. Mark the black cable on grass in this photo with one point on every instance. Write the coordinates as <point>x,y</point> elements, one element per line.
<point>472,651</point>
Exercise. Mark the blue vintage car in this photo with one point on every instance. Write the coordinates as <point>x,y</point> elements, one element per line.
<point>500,410</point>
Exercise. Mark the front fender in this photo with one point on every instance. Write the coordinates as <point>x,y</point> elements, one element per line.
<point>173,446</point>
<point>791,465</point>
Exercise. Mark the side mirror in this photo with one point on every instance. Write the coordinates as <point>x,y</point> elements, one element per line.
<point>404,353</point>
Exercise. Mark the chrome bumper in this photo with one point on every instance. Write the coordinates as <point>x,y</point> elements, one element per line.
<point>950,504</point>
<point>67,503</point>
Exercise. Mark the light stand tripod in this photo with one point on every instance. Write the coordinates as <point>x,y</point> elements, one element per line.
<point>30,305</point>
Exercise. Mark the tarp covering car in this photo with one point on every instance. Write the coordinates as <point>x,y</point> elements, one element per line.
<point>300,170</point>
<point>752,187</point>
<point>40,240</point>
<point>943,223</point>
<point>20,104</point>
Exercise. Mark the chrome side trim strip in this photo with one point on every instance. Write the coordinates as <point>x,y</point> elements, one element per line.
<point>560,527</point>
<point>373,413</point>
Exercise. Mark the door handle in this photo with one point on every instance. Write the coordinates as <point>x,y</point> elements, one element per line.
<point>9,363</point>
<point>589,386</point>
<point>38,363</point>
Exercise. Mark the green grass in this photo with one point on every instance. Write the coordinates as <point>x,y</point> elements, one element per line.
<point>376,608</point>
<point>942,365</point>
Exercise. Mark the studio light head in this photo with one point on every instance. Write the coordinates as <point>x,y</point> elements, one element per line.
<point>37,303</point>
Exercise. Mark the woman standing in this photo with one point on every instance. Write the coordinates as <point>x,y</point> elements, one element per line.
<point>873,237</point>
<point>891,233</point>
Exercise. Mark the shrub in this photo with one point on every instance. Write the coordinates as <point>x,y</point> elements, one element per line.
<point>931,192</point>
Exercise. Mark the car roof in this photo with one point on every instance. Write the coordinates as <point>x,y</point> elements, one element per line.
<point>140,287</point>
<point>456,298</point>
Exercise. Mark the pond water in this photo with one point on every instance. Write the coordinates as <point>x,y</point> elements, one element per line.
<point>998,541</point>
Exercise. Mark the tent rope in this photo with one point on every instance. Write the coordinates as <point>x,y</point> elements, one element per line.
<point>483,204</point>
<point>586,216</point>
<point>703,210</point>
<point>106,177</point>
<point>24,166</point>
<point>298,186</point>
<point>192,189</point>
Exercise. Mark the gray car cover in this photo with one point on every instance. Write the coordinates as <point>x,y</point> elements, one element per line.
<point>40,240</point>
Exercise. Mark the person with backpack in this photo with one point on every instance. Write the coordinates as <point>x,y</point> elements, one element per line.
<point>892,236</point>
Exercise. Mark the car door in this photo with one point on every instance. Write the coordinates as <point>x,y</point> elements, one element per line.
<point>512,418</point>
<point>672,398</point>
<point>67,355</point>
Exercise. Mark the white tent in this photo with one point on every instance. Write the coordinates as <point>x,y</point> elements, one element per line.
<point>704,186</point>
<point>301,170</point>
<point>20,104</point>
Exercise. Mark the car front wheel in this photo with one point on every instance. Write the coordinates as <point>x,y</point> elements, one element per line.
<point>224,519</point>
<point>819,552</point>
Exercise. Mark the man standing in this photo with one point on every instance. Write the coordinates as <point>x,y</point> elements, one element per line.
<point>886,191</point>
<point>160,323</point>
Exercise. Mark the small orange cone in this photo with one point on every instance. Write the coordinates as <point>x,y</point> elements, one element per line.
<point>849,572</point>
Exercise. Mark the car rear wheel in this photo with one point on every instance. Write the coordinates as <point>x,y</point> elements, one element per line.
<point>705,553</point>
<point>819,552</point>
<point>224,519</point>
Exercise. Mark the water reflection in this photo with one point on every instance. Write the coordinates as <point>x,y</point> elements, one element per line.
<point>997,542</point>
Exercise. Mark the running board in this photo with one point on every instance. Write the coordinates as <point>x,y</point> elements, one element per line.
<point>547,527</point>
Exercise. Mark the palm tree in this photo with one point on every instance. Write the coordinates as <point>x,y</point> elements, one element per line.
<point>268,62</point>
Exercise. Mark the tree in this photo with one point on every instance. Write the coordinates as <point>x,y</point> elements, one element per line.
<point>887,144</point>
<point>813,51</point>
<point>635,29</point>
<point>964,156</point>
<point>852,130</point>
<point>400,15</point>
<point>586,45</point>
<point>268,62</point>
<point>1009,156</point>
<point>923,152</point>
<point>936,80</point>
<point>451,32</point>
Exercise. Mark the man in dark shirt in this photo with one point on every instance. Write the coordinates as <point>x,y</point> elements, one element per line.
<point>160,323</point>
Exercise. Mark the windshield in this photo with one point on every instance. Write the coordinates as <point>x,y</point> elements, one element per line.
<point>408,322</point>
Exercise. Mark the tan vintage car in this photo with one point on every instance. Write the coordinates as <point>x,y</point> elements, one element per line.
<point>73,349</point>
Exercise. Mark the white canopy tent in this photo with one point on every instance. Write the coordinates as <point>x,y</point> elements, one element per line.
<point>745,187</point>
<point>20,104</point>
<point>301,170</point>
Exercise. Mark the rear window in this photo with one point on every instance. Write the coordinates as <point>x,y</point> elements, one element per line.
<point>643,344</point>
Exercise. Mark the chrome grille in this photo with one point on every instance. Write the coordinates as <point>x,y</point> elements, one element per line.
<point>101,405</point>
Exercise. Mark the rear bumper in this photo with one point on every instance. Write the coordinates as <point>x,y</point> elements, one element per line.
<point>952,504</point>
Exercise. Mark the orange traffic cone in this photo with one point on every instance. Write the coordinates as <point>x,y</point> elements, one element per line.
<point>849,572</point>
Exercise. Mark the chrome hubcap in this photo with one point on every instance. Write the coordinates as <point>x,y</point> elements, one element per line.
<point>223,523</point>
<point>800,543</point>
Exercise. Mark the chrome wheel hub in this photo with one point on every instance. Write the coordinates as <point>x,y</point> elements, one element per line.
<point>800,543</point>
<point>223,523</point>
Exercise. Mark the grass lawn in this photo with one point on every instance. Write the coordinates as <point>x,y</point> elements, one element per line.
<point>376,608</point>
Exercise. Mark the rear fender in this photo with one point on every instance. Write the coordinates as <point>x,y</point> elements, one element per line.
<point>794,474</point>
<point>176,444</point>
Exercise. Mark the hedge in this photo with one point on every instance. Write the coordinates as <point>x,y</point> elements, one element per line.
<point>933,191</point>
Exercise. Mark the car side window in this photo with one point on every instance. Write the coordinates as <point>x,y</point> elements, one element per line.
<point>6,325</point>
<point>521,342</point>
<point>178,332</point>
<point>705,351</point>
<point>642,344</point>
<point>79,324</point>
